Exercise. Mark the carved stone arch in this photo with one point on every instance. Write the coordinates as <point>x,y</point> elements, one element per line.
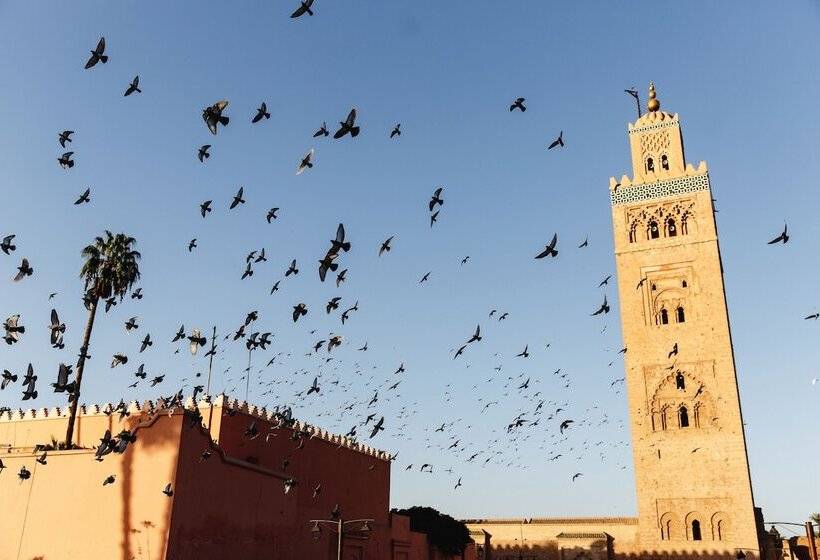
<point>720,526</point>
<point>670,527</point>
<point>669,299</point>
<point>695,526</point>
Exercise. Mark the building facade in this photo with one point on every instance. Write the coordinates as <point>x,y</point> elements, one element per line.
<point>691,468</point>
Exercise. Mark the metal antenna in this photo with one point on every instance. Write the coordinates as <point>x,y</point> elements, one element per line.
<point>634,93</point>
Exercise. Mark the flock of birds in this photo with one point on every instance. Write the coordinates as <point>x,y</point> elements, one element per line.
<point>349,393</point>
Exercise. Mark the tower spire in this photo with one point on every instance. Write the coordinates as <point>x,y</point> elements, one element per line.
<point>653,104</point>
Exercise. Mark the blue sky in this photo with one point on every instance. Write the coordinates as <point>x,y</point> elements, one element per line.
<point>742,75</point>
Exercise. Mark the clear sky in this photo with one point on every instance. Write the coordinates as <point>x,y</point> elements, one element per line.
<point>742,75</point>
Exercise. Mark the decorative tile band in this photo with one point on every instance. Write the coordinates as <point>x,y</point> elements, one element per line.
<point>660,189</point>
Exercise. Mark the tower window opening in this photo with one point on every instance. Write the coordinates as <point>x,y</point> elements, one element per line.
<point>654,230</point>
<point>680,382</point>
<point>719,530</point>
<point>666,531</point>
<point>650,164</point>
<point>633,233</point>
<point>654,287</point>
<point>665,162</point>
<point>663,317</point>
<point>683,284</point>
<point>680,315</point>
<point>671,228</point>
<point>683,419</point>
<point>696,536</point>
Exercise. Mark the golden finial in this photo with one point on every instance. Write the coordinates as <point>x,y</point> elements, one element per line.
<point>653,104</point>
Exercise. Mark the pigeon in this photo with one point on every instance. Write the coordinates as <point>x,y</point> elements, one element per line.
<point>476,335</point>
<point>603,309</point>
<point>134,86</point>
<point>341,277</point>
<point>299,310</point>
<point>290,483</point>
<point>202,152</point>
<point>292,269</point>
<point>205,207</point>
<point>131,324</point>
<point>192,245</point>
<point>558,141</point>
<point>377,427</point>
<point>304,8</point>
<point>306,162</point>
<point>157,380</point>
<point>30,391</point>
<point>348,126</point>
<point>118,359</point>
<point>459,478</point>
<point>275,287</point>
<point>109,480</point>
<point>322,131</point>
<point>97,55</point>
<point>385,246</point>
<point>434,217</point>
<point>314,388</point>
<point>62,385</point>
<point>237,198</point>
<point>339,243</point>
<point>64,136</point>
<point>141,373</point>
<point>524,353</point>
<point>396,131</point>
<point>180,334</point>
<point>23,270</point>
<point>6,245</point>
<point>425,277</point>
<point>24,473</point>
<point>605,281</point>
<point>518,104</point>
<point>436,199</point>
<point>261,113</point>
<point>784,237</point>
<point>65,160</point>
<point>584,244</point>
<point>213,116</point>
<point>271,215</point>
<point>814,316</point>
<point>146,342</point>
<point>565,425</point>
<point>576,475</point>
<point>84,198</point>
<point>333,304</point>
<point>549,250</point>
<point>7,378</point>
<point>167,490</point>
<point>55,327</point>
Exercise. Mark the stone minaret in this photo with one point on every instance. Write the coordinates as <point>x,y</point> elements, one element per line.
<point>691,466</point>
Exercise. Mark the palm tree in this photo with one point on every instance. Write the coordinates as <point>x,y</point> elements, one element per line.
<point>110,270</point>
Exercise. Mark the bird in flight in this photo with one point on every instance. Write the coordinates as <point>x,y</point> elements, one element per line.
<point>348,126</point>
<point>6,245</point>
<point>322,131</point>
<point>396,131</point>
<point>23,270</point>
<point>604,307</point>
<point>261,113</point>
<point>558,141</point>
<point>476,335</point>
<point>237,199</point>
<point>134,86</point>
<point>65,136</point>
<point>84,198</point>
<point>605,281</point>
<point>205,207</point>
<point>304,8</point>
<point>518,104</point>
<point>385,246</point>
<point>783,237</point>
<point>65,160</point>
<point>202,153</point>
<point>436,199</point>
<point>97,55</point>
<point>271,215</point>
<point>306,162</point>
<point>213,115</point>
<point>584,244</point>
<point>549,250</point>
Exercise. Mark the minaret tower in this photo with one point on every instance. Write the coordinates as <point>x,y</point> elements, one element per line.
<point>691,466</point>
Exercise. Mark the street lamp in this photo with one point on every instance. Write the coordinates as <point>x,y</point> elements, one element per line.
<point>342,527</point>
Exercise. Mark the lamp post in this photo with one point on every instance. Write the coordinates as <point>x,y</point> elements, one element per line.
<point>341,528</point>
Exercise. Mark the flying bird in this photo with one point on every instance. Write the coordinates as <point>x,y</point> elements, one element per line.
<point>271,215</point>
<point>6,245</point>
<point>385,246</point>
<point>292,269</point>
<point>299,310</point>
<point>213,116</point>
<point>237,198</point>
<point>97,55</point>
<point>558,141</point>
<point>348,126</point>
<point>476,335</point>
<point>518,104</point>
<point>202,152</point>
<point>436,199</point>
<point>65,160</point>
<point>784,237</point>
<point>205,207</point>
<point>549,250</point>
<point>322,131</point>
<point>23,270</point>
<point>134,86</point>
<point>84,198</point>
<point>396,131</point>
<point>304,8</point>
<point>261,113</point>
<point>64,136</point>
<point>604,307</point>
<point>306,162</point>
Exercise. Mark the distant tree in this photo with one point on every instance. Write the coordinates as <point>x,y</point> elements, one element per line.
<point>815,518</point>
<point>448,535</point>
<point>110,270</point>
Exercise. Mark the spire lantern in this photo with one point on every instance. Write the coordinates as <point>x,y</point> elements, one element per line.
<point>653,104</point>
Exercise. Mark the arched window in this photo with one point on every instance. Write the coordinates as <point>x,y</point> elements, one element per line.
<point>680,382</point>
<point>663,317</point>
<point>719,530</point>
<point>650,165</point>
<point>654,230</point>
<point>671,227</point>
<point>683,284</point>
<point>680,316</point>
<point>665,162</point>
<point>683,421</point>
<point>696,536</point>
<point>633,229</point>
<point>663,419</point>
<point>668,529</point>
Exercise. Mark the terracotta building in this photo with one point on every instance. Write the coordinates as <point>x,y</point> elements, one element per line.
<point>251,493</point>
<point>692,473</point>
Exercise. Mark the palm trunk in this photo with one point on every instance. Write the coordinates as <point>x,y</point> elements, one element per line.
<point>92,312</point>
